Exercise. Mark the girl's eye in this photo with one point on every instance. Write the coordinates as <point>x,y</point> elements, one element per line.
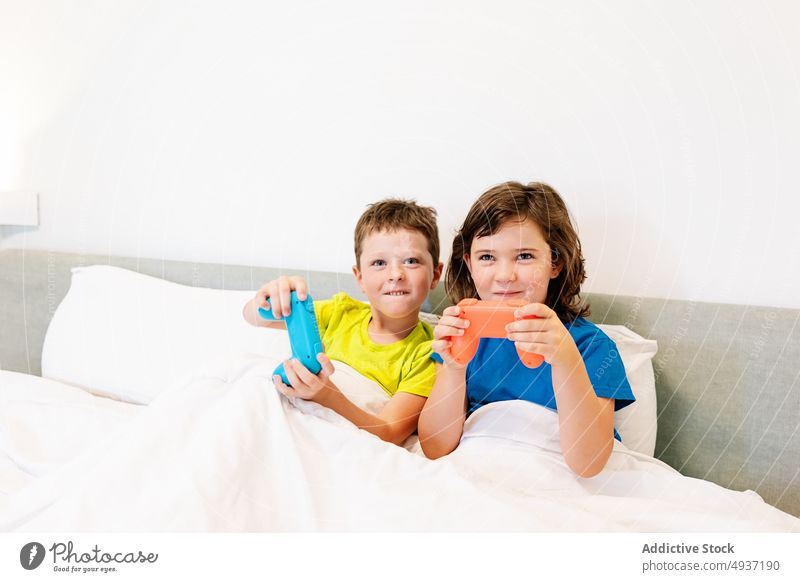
<point>485,257</point>
<point>525,256</point>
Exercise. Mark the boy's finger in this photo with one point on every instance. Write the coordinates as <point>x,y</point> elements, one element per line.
<point>303,373</point>
<point>291,374</point>
<point>282,388</point>
<point>301,288</point>
<point>286,296</point>
<point>274,299</point>
<point>261,297</point>
<point>327,365</point>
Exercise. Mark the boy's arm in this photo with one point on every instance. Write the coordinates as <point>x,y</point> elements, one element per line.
<point>441,421</point>
<point>396,422</point>
<point>251,316</point>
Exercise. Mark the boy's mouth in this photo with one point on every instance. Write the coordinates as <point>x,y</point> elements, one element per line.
<point>396,293</point>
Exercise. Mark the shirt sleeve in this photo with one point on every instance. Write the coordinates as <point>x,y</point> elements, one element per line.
<point>324,310</point>
<point>419,373</point>
<point>606,370</point>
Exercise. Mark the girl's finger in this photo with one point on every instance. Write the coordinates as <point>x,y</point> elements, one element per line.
<point>454,322</point>
<point>452,310</point>
<point>537,309</point>
<point>441,346</point>
<point>443,331</point>
<point>537,324</point>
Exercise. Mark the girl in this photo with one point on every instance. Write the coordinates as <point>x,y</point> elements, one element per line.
<point>517,242</point>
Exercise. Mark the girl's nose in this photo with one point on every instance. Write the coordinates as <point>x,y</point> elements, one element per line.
<point>505,272</point>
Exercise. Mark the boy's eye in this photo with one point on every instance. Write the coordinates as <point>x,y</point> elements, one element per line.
<point>485,257</point>
<point>412,261</point>
<point>378,263</point>
<point>524,256</point>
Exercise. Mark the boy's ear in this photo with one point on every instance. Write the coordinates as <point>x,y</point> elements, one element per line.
<point>437,274</point>
<point>357,274</point>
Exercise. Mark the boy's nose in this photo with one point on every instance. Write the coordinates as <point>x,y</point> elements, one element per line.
<point>396,272</point>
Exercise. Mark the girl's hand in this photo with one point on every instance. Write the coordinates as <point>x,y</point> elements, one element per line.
<point>279,291</point>
<point>305,384</point>
<point>449,325</point>
<point>545,335</point>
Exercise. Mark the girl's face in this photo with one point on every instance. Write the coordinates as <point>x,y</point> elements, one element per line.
<point>513,263</point>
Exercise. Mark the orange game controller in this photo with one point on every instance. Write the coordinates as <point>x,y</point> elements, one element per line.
<point>488,319</point>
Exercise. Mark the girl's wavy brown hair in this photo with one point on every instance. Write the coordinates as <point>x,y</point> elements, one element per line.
<point>513,201</point>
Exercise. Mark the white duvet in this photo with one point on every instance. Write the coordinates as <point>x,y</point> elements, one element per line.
<point>226,452</point>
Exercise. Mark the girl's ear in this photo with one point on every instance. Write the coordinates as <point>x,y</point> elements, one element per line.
<point>468,264</point>
<point>555,264</point>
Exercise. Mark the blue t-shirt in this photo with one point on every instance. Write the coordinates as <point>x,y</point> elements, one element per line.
<point>496,372</point>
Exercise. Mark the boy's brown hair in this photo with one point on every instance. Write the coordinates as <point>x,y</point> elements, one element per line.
<point>393,214</point>
<point>513,201</point>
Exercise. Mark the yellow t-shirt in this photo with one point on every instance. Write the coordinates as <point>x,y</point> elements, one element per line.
<point>402,366</point>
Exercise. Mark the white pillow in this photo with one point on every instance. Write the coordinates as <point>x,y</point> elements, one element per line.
<point>637,422</point>
<point>126,335</point>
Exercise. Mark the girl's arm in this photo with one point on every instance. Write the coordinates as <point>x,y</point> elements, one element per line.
<point>395,423</point>
<point>586,421</point>
<point>441,421</point>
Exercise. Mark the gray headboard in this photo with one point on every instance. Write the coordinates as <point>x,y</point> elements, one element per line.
<point>727,376</point>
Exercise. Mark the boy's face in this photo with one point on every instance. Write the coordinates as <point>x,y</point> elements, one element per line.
<point>396,271</point>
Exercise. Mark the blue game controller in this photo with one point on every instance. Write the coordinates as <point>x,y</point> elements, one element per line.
<point>303,334</point>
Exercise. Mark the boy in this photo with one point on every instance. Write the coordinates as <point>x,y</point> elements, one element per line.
<point>397,265</point>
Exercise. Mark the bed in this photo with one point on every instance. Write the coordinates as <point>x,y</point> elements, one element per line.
<point>140,401</point>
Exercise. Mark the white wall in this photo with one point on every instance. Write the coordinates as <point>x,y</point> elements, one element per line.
<point>243,133</point>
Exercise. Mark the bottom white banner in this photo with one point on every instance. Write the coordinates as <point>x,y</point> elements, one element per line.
<point>388,557</point>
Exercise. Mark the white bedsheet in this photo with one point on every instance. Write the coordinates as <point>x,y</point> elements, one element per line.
<point>226,452</point>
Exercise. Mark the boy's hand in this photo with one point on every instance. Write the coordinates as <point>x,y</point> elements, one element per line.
<point>306,385</point>
<point>278,291</point>
<point>449,325</point>
<point>545,335</point>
